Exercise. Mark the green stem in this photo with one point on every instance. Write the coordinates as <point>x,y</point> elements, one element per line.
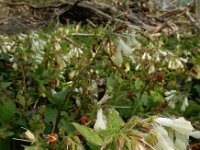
<point>139,101</point>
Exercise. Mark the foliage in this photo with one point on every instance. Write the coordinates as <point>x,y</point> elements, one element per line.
<point>50,79</point>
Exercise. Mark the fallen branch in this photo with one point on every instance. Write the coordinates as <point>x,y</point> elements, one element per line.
<point>192,20</point>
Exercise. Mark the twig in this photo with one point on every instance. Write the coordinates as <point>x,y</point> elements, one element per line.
<point>171,13</point>
<point>192,20</point>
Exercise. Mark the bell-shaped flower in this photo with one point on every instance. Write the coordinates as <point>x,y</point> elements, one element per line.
<point>179,63</point>
<point>157,57</point>
<point>117,58</point>
<point>21,37</point>
<point>182,126</point>
<point>30,136</point>
<point>181,141</point>
<point>172,64</point>
<point>126,50</point>
<point>144,56</point>
<point>101,121</point>
<point>132,41</point>
<point>184,104</point>
<point>137,67</point>
<point>195,134</point>
<point>164,121</point>
<point>167,93</point>
<point>148,56</point>
<point>171,105</point>
<point>14,66</point>
<point>168,98</point>
<point>151,69</point>
<point>163,53</point>
<point>163,140</point>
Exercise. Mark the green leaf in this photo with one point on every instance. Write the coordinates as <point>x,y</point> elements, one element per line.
<point>49,115</point>
<point>115,122</point>
<point>4,133</point>
<point>68,127</point>
<point>4,85</point>
<point>90,135</point>
<point>57,98</point>
<point>145,99</point>
<point>139,84</point>
<point>156,97</point>
<point>21,100</point>
<point>7,111</point>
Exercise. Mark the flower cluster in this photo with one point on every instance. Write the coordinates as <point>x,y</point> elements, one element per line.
<point>173,96</point>
<point>173,133</point>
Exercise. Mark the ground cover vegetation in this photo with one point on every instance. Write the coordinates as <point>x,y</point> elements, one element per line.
<point>103,82</point>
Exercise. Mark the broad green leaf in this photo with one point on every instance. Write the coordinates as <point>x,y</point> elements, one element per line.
<point>49,115</point>
<point>4,133</point>
<point>21,100</point>
<point>139,84</point>
<point>5,84</point>
<point>145,99</point>
<point>58,97</point>
<point>156,97</point>
<point>68,127</point>
<point>114,122</point>
<point>90,135</point>
<point>7,111</point>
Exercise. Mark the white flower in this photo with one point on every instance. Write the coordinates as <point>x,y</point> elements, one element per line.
<point>167,93</point>
<point>21,37</point>
<point>101,121</point>
<point>148,56</point>
<point>180,125</point>
<point>163,140</point>
<point>185,60</point>
<point>29,135</point>
<point>181,141</point>
<point>184,104</point>
<point>35,45</point>
<point>164,121</point>
<point>195,134</point>
<point>38,45</point>
<point>171,105</point>
<point>168,98</point>
<point>57,46</point>
<point>144,56</point>
<point>175,64</point>
<point>117,58</point>
<point>126,50</point>
<point>127,67</point>
<point>177,134</point>
<point>157,57</point>
<point>11,59</point>
<point>14,66</point>
<point>151,69</point>
<point>137,67</point>
<point>172,64</point>
<point>132,41</point>
<point>179,63</point>
<point>164,53</point>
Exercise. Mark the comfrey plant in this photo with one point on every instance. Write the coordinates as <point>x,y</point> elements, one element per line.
<point>50,85</point>
<point>157,133</point>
